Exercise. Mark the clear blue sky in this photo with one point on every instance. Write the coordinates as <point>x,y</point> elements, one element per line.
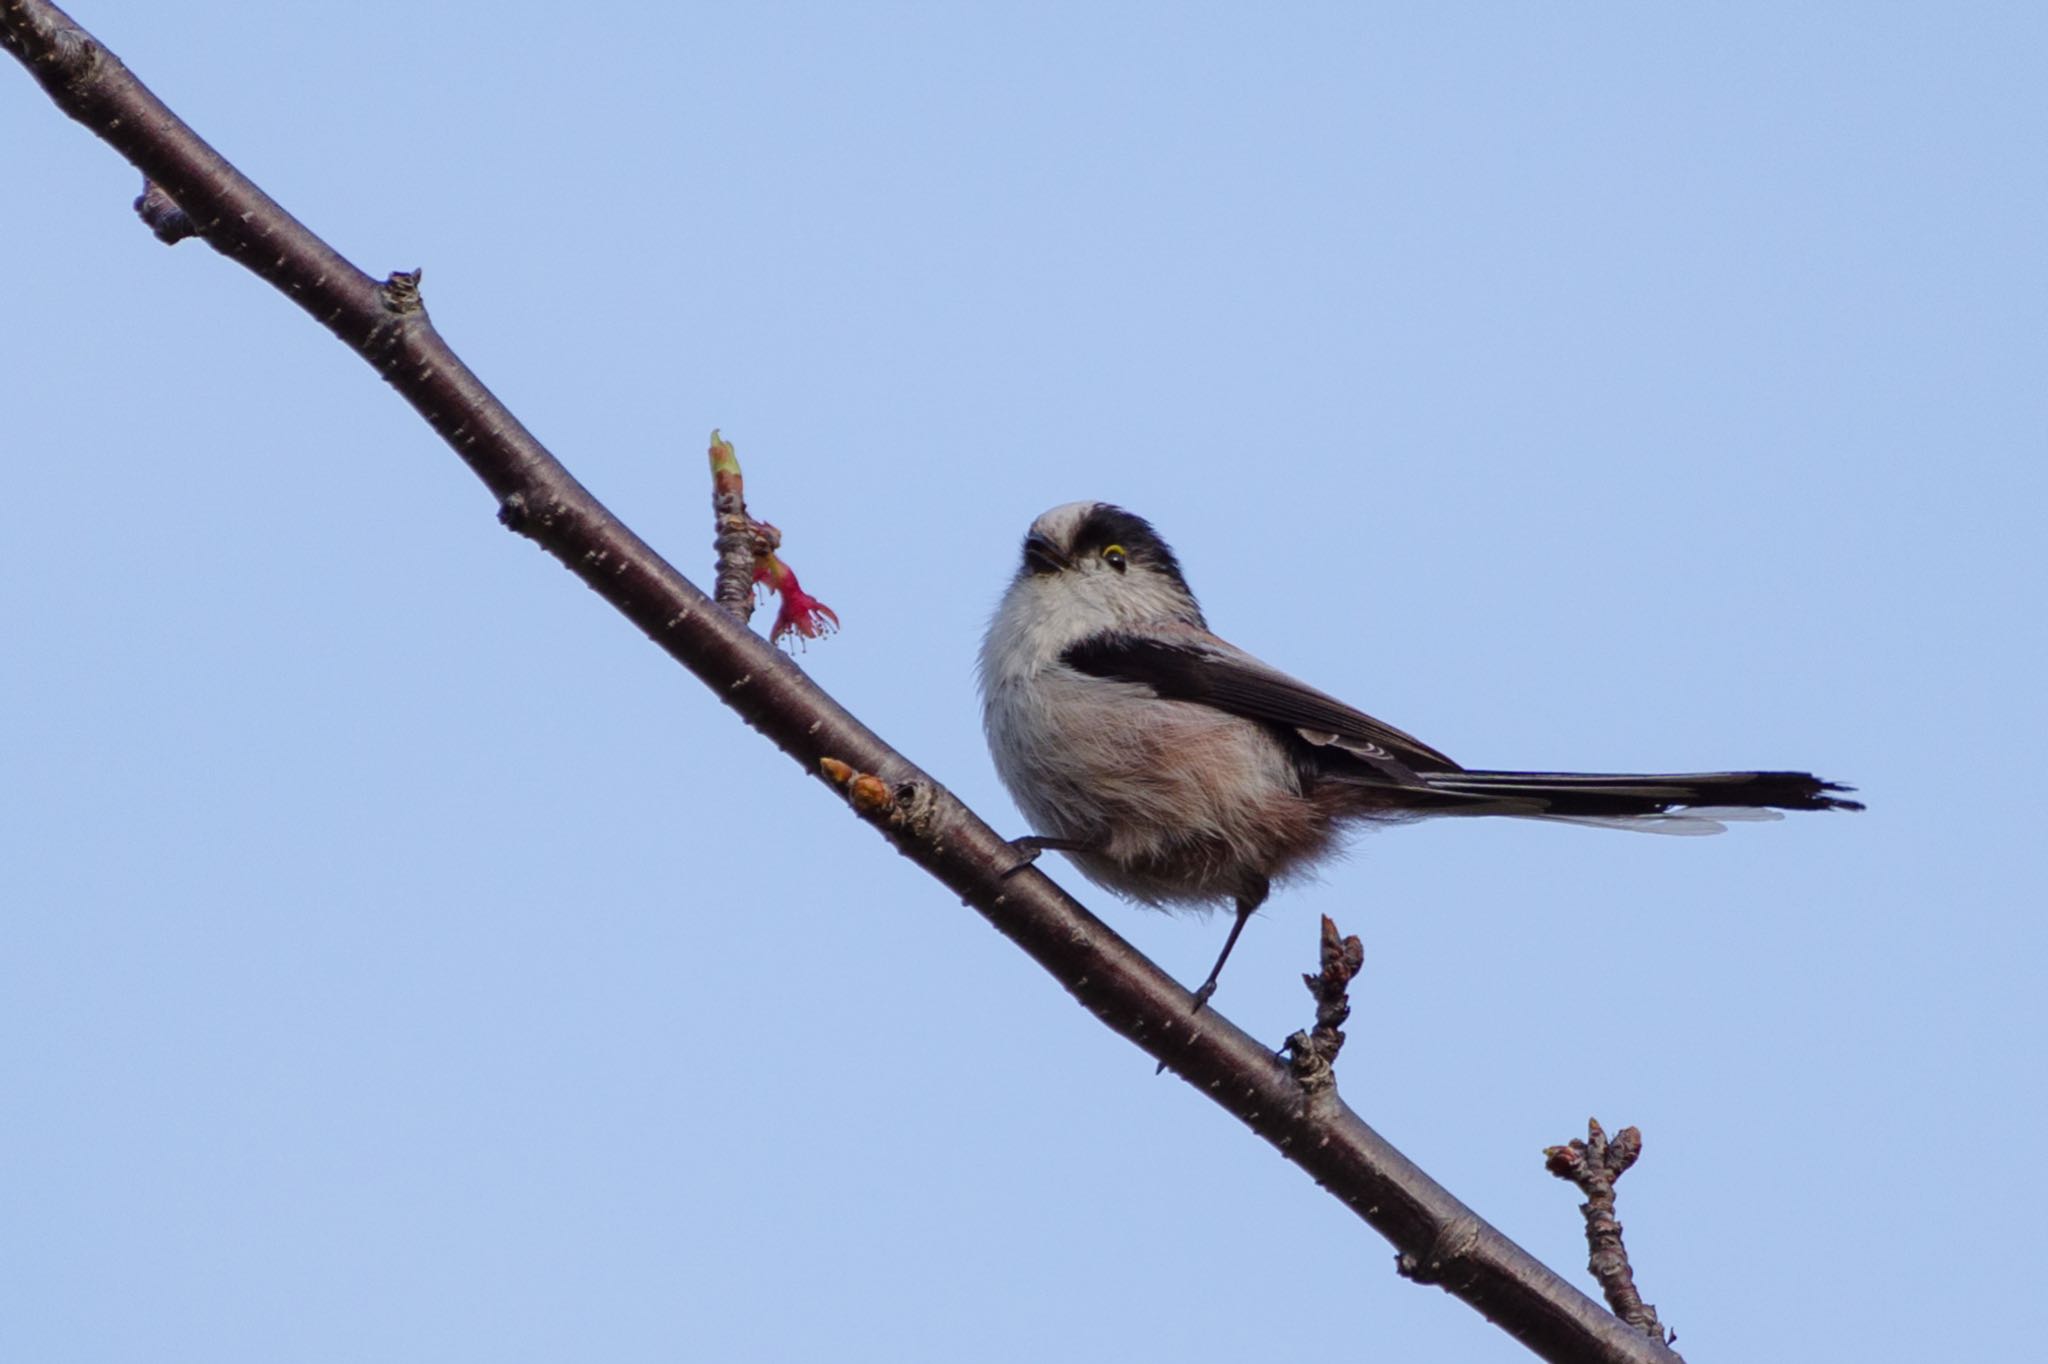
<point>402,960</point>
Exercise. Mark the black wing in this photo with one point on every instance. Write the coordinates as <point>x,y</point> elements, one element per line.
<point>1204,669</point>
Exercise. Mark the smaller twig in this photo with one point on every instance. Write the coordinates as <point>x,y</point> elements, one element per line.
<point>1594,1165</point>
<point>740,540</point>
<point>747,559</point>
<point>1312,1054</point>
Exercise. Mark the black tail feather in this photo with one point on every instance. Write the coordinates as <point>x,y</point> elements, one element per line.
<point>1620,796</point>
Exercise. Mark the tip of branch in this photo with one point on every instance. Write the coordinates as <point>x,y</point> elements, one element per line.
<point>1312,1054</point>
<point>724,463</point>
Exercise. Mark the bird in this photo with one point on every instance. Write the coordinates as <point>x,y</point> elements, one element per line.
<point>1177,770</point>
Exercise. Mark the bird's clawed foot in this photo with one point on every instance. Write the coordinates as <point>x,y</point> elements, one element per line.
<point>1029,847</point>
<point>1202,993</point>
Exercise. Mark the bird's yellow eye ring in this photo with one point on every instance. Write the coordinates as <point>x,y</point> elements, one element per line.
<point>1115,557</point>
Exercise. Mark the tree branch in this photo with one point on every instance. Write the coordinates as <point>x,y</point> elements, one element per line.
<point>1439,1239</point>
<point>1595,1164</point>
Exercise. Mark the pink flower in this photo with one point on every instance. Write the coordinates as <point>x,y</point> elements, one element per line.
<point>802,614</point>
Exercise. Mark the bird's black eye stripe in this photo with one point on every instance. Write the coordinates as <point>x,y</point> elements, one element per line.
<point>1123,539</point>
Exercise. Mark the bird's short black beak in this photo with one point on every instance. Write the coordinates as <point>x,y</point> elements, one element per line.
<point>1042,555</point>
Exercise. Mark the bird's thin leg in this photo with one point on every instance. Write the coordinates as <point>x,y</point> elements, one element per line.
<point>1247,905</point>
<point>1029,847</point>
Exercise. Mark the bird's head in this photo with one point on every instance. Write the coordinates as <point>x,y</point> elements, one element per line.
<point>1098,567</point>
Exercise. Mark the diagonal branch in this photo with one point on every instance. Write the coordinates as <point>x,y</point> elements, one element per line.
<point>1439,1239</point>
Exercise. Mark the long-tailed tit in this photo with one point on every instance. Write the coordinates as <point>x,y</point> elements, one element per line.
<point>1177,769</point>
